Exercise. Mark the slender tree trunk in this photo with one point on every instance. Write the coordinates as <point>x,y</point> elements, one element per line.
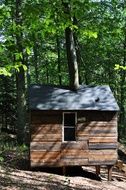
<point>71,52</point>
<point>20,79</point>
<point>28,74</point>
<point>59,60</point>
<point>77,47</point>
<point>21,107</point>
<point>35,49</point>
<point>122,85</point>
<point>47,73</point>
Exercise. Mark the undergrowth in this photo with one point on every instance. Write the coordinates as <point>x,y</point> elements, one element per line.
<point>10,152</point>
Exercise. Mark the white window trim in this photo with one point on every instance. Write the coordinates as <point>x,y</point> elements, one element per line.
<point>68,126</point>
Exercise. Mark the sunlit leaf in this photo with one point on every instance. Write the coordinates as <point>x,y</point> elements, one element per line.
<point>116,67</point>
<point>119,67</point>
<point>24,67</point>
<point>3,71</point>
<point>28,51</point>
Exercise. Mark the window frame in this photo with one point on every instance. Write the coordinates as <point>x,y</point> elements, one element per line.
<point>63,126</point>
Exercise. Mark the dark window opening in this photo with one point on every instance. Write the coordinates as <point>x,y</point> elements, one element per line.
<point>69,123</point>
<point>69,134</point>
<point>69,119</point>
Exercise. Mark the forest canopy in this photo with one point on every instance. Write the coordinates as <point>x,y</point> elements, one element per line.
<point>36,38</point>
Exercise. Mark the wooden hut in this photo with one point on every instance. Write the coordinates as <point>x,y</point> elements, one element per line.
<point>73,128</point>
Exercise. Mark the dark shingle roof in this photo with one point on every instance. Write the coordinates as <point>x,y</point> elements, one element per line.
<point>45,97</point>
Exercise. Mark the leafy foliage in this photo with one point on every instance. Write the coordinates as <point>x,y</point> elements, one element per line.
<point>99,27</point>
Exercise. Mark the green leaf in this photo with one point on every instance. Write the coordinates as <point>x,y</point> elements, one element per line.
<point>18,56</point>
<point>116,67</point>
<point>1,159</point>
<point>1,49</point>
<point>94,34</point>
<point>28,51</point>
<point>14,26</point>
<point>3,71</point>
<point>89,33</point>
<point>119,67</point>
<point>24,67</point>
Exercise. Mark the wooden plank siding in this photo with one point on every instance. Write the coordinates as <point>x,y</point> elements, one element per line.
<point>102,146</point>
<point>46,117</point>
<point>46,128</point>
<point>45,156</point>
<point>96,139</point>
<point>99,157</point>
<point>45,146</point>
<point>46,138</point>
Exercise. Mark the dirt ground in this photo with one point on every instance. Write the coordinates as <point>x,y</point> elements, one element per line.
<point>16,175</point>
<point>52,179</point>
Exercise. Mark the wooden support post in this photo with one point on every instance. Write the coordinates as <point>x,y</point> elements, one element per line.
<point>64,170</point>
<point>110,172</point>
<point>97,170</point>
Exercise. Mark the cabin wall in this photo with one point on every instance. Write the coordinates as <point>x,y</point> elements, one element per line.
<point>46,137</point>
<point>96,139</point>
<point>100,128</point>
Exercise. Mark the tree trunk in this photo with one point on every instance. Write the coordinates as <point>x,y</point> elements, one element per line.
<point>35,49</point>
<point>71,52</point>
<point>20,79</point>
<point>77,47</point>
<point>21,106</point>
<point>122,89</point>
<point>59,61</point>
<point>47,73</point>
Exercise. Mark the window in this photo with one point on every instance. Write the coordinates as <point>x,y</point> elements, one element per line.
<point>69,125</point>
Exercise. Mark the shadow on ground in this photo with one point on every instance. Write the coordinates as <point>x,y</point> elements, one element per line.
<point>75,171</point>
<point>122,155</point>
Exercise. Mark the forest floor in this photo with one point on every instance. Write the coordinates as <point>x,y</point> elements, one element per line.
<point>15,175</point>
